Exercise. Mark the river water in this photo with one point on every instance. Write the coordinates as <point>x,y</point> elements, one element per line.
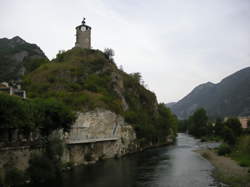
<point>172,166</point>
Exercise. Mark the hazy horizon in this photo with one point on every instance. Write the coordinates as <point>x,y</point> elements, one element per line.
<point>175,45</point>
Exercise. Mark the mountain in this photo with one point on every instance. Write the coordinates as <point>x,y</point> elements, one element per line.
<point>169,105</point>
<point>18,57</point>
<point>230,97</point>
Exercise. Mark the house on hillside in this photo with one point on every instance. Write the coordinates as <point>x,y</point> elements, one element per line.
<point>11,90</point>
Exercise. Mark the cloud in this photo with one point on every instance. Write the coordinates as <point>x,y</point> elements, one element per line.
<point>175,44</point>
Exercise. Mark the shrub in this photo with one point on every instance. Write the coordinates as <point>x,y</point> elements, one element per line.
<point>54,148</point>
<point>224,149</point>
<point>41,168</point>
<point>229,136</point>
<point>14,177</point>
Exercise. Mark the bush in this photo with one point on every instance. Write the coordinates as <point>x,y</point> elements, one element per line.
<point>224,149</point>
<point>54,148</point>
<point>241,152</point>
<point>229,136</point>
<point>14,177</point>
<point>41,168</point>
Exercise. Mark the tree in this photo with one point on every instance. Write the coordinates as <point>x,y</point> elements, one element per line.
<point>198,123</point>
<point>235,125</point>
<point>136,77</point>
<point>53,115</point>
<point>109,53</point>
<point>41,168</point>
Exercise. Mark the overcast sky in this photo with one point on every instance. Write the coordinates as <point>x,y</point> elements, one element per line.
<point>174,44</point>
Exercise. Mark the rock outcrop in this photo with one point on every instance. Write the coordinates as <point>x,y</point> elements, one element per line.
<point>99,134</point>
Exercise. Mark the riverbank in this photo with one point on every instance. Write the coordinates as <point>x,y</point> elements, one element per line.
<point>227,170</point>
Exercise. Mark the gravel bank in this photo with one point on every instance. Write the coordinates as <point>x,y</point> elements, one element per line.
<point>227,170</point>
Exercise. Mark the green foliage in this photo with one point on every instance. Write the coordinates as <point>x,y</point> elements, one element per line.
<point>182,125</point>
<point>199,126</point>
<point>54,148</point>
<point>12,112</point>
<point>136,77</point>
<point>224,149</point>
<point>32,64</point>
<point>241,152</point>
<point>28,115</point>
<point>198,123</point>
<point>47,165</point>
<point>41,168</point>
<point>109,53</point>
<point>14,177</point>
<point>80,78</point>
<point>84,79</point>
<point>53,115</point>
<point>235,125</point>
<point>229,136</point>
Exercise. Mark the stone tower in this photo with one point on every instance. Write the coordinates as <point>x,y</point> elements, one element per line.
<point>83,36</point>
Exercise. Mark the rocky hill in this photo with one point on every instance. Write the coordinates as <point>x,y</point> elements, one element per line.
<point>230,97</point>
<point>86,79</point>
<point>18,57</point>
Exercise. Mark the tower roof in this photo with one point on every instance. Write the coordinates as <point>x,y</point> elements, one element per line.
<point>83,24</point>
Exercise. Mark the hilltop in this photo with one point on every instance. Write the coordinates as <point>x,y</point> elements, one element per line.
<point>230,97</point>
<point>86,79</point>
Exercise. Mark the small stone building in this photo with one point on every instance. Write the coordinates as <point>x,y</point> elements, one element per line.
<point>83,36</point>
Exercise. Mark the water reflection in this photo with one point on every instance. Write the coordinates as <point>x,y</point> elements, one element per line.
<point>173,166</point>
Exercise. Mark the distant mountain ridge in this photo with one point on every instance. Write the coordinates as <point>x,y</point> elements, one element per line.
<point>230,97</point>
<point>18,57</point>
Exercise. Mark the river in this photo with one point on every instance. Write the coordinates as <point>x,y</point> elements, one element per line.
<point>171,166</point>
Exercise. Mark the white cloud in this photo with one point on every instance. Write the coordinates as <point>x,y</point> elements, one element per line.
<point>175,44</point>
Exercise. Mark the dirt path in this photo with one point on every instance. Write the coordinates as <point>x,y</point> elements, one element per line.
<point>227,170</point>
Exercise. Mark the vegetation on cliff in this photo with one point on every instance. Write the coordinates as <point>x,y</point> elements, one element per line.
<point>32,115</point>
<point>86,79</point>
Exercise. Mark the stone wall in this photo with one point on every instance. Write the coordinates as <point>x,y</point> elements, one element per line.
<point>16,156</point>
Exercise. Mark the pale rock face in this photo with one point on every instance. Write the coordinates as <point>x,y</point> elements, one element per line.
<point>96,124</point>
<point>95,128</point>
